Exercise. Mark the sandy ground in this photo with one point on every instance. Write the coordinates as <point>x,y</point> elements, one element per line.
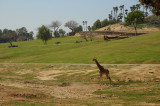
<point>122,28</point>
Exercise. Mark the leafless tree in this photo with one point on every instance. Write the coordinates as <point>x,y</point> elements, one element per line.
<point>10,37</point>
<point>86,35</point>
<point>71,25</point>
<point>55,25</point>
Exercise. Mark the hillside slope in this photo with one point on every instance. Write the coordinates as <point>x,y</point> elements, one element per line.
<point>122,28</point>
<point>139,49</point>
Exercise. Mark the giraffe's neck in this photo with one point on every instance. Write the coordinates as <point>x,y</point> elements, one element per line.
<point>98,65</point>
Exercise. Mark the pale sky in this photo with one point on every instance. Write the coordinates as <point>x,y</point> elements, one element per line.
<point>33,13</point>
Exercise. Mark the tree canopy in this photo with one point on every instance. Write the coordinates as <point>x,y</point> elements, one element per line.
<point>44,34</point>
<point>134,18</point>
<point>55,25</point>
<point>154,3</point>
<point>72,25</point>
<point>96,25</point>
<point>21,34</point>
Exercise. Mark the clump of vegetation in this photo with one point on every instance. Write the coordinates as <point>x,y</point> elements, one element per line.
<point>152,20</point>
<point>134,18</point>
<point>44,34</point>
<point>153,3</point>
<point>9,36</point>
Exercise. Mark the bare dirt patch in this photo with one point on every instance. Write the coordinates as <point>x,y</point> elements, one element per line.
<point>76,90</point>
<point>48,75</point>
<point>138,73</point>
<point>24,71</point>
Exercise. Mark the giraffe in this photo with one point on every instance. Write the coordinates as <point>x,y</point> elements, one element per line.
<point>102,70</point>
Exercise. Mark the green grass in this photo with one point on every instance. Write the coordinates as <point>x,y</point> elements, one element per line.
<point>139,49</point>
<point>133,93</point>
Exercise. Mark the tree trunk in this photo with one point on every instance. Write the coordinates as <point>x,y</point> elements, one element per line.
<point>135,28</point>
<point>45,42</point>
<point>10,43</point>
<point>86,39</point>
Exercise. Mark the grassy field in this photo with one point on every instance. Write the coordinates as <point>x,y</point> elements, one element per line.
<point>139,49</point>
<point>31,75</point>
<point>78,85</point>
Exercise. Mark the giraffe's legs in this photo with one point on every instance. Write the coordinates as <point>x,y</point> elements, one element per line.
<point>100,78</point>
<point>108,77</point>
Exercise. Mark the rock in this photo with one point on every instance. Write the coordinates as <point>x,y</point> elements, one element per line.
<point>27,82</point>
<point>52,66</point>
<point>150,90</point>
<point>103,97</point>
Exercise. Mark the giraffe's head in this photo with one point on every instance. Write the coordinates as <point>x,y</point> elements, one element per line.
<point>94,59</point>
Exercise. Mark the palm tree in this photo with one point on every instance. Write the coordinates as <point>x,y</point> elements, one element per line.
<point>121,7</point>
<point>120,16</point>
<point>116,10</point>
<point>123,12</point>
<point>133,8</point>
<point>138,6</point>
<point>110,17</point>
<point>126,12</point>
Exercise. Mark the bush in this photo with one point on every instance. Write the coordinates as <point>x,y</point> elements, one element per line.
<point>152,20</point>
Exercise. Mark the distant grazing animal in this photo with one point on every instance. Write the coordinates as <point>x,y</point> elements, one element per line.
<point>78,41</point>
<point>102,70</point>
<point>57,42</point>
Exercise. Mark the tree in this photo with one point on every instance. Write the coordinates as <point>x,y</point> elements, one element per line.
<point>138,7</point>
<point>96,25</point>
<point>55,25</point>
<point>23,35</point>
<point>5,31</point>
<point>31,35</point>
<point>86,35</point>
<point>126,12</point>
<point>123,12</point>
<point>89,28</point>
<point>61,32</point>
<point>152,20</point>
<point>78,29</point>
<point>1,32</point>
<point>120,16</point>
<point>110,16</point>
<point>154,3</point>
<point>104,23</point>
<point>116,10</point>
<point>134,18</point>
<point>71,25</point>
<point>9,37</point>
<point>133,8</point>
<point>44,34</point>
